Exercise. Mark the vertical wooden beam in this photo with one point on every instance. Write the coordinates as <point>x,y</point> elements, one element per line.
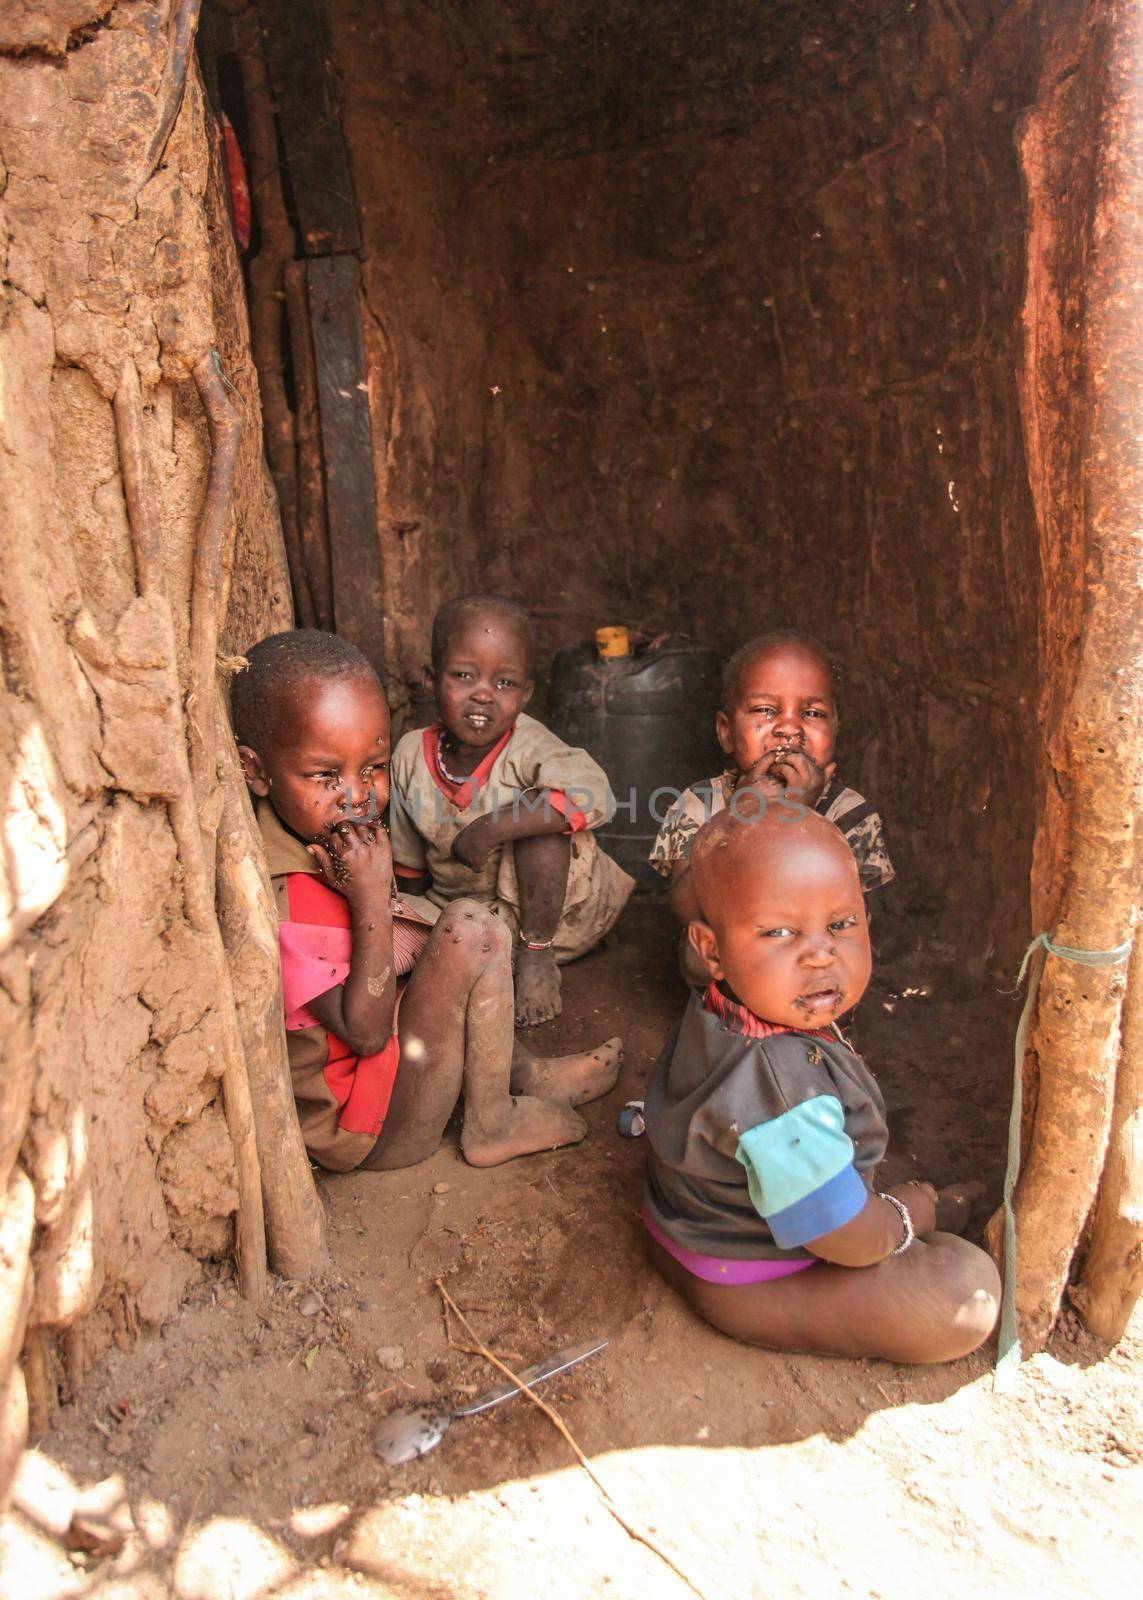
<point>351,501</point>
<point>317,163</point>
<point>1082,154</point>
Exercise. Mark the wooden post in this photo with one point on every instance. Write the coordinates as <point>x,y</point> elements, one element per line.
<point>1112,1276</point>
<point>313,527</point>
<point>295,1226</point>
<point>267,296</point>
<point>1093,494</point>
<point>297,57</point>
<point>271,1155</point>
<point>351,498</point>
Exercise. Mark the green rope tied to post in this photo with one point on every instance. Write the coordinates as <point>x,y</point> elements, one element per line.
<point>1008,1352</point>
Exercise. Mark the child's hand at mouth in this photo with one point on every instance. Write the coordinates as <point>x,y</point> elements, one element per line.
<point>356,859</point>
<point>762,779</point>
<point>791,773</point>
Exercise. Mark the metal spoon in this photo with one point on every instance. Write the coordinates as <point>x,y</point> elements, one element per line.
<point>413,1431</point>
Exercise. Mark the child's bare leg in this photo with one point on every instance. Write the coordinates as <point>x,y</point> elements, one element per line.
<point>455,1027</point>
<point>575,1079</point>
<point>936,1302</point>
<point>542,864</point>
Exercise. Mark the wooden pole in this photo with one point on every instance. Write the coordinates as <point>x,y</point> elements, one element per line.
<point>272,1153</point>
<point>267,296</point>
<point>182,26</point>
<point>313,525</point>
<point>1112,1276</point>
<point>1093,732</point>
<point>295,1225</point>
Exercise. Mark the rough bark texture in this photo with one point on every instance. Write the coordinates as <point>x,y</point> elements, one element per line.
<point>708,320</point>
<point>1112,1277</point>
<point>116,1164</point>
<point>1084,304</point>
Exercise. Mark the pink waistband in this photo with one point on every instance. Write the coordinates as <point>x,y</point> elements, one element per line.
<point>722,1269</point>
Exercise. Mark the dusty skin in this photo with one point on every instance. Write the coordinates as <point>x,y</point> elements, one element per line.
<point>243,1440</point>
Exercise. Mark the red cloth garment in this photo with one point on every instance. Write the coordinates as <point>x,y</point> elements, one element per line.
<point>316,949</point>
<point>236,180</point>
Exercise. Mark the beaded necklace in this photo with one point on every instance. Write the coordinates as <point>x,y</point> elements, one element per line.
<point>448,776</point>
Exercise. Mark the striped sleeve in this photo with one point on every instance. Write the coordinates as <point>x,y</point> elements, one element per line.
<point>800,1172</point>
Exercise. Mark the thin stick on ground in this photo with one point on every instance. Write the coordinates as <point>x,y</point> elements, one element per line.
<point>470,1349</point>
<point>558,1423</point>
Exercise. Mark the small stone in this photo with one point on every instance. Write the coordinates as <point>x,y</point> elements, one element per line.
<point>310,1304</point>
<point>440,1188</point>
<point>391,1357</point>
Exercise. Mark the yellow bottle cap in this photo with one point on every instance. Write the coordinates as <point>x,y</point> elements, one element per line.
<point>612,642</point>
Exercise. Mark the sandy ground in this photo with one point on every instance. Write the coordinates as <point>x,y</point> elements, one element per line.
<point>233,1453</point>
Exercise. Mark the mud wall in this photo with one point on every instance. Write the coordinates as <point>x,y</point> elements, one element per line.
<point>118,1172</point>
<point>694,319</point>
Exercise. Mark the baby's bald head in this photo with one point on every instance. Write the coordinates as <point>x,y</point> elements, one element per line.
<point>759,841</point>
<point>783,916</point>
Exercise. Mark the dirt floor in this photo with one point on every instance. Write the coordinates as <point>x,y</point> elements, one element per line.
<point>230,1458</point>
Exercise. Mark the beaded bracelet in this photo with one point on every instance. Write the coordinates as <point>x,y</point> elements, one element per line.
<point>536,944</point>
<point>906,1222</point>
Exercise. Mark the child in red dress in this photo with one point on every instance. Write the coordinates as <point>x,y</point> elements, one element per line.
<point>376,1084</point>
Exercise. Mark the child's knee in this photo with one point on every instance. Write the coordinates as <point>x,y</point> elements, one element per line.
<point>471,930</point>
<point>965,1300</point>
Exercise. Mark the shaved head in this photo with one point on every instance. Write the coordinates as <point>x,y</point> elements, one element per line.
<point>783,921</point>
<point>759,841</point>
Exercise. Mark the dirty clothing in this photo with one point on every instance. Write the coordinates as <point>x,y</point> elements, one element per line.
<point>761,1138</point>
<point>528,768</point>
<point>342,1098</point>
<point>845,808</point>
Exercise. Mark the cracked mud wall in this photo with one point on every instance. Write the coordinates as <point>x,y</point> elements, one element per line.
<point>706,320</point>
<point>116,1166</point>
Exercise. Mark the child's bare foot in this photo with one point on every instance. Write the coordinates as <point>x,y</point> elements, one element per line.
<point>573,1079</point>
<point>528,1124</point>
<point>537,987</point>
<point>954,1205</point>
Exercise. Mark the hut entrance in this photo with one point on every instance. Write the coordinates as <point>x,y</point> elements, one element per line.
<point>712,318</point>
<point>692,320</point>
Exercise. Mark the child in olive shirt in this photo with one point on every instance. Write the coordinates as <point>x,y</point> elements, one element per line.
<point>489,803</point>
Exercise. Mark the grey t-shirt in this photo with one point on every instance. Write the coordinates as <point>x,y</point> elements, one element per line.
<point>760,1139</point>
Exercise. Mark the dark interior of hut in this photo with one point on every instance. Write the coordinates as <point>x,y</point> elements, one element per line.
<point>704,319</point>
<point>699,318</point>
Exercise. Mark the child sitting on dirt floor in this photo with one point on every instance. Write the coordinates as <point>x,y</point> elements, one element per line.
<point>375,1086</point>
<point>765,1128</point>
<point>488,803</point>
<point>779,725</point>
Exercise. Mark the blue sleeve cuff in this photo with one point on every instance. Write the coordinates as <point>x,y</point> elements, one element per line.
<point>833,1205</point>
